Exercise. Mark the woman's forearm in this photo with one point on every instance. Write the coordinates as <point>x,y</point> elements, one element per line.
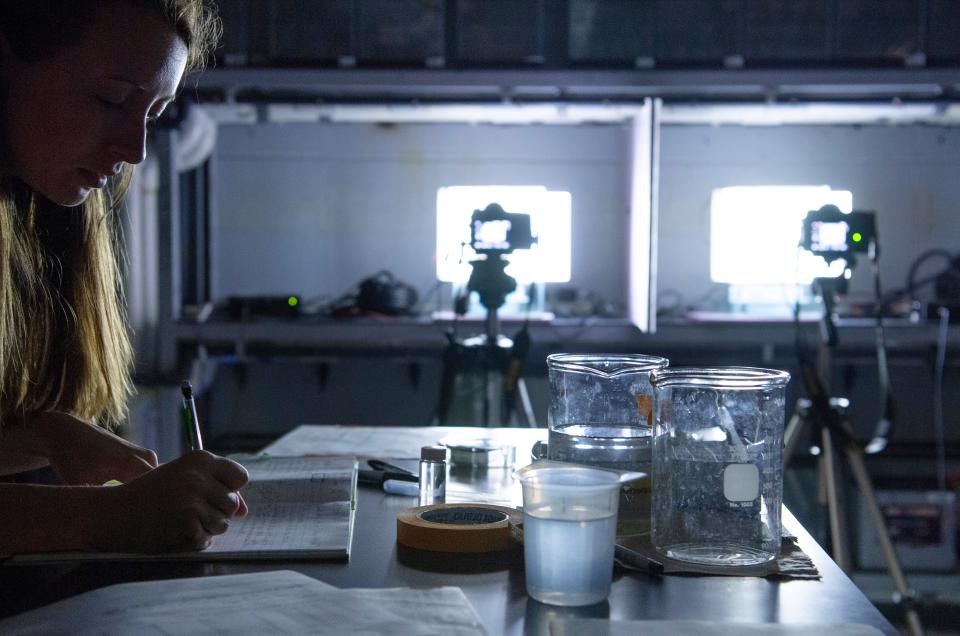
<point>22,448</point>
<point>31,445</point>
<point>54,518</point>
<point>178,506</point>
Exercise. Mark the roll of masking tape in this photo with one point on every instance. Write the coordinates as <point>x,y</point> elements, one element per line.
<point>460,527</point>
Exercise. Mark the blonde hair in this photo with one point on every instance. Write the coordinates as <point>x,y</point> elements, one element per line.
<point>196,23</point>
<point>64,343</point>
<point>64,338</point>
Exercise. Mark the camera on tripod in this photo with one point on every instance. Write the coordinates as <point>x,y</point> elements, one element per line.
<point>494,231</point>
<point>832,234</point>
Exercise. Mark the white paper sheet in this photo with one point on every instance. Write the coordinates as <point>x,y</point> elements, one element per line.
<point>391,441</point>
<point>275,603</point>
<point>297,504</point>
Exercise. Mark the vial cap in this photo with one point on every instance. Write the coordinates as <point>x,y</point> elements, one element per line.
<point>434,453</point>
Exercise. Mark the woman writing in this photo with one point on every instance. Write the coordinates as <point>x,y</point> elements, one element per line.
<point>80,80</point>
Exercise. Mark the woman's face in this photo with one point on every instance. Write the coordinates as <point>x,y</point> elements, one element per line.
<point>72,120</point>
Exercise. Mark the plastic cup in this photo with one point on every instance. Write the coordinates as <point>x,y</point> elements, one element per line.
<point>569,528</point>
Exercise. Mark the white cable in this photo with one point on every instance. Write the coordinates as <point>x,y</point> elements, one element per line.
<point>944,314</point>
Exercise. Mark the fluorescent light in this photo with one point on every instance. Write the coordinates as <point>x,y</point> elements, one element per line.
<point>548,261</point>
<point>755,231</point>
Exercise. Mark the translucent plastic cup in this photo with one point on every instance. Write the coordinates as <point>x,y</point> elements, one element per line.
<point>569,527</point>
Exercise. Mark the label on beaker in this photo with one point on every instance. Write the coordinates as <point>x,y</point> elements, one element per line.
<point>645,407</point>
<point>741,482</point>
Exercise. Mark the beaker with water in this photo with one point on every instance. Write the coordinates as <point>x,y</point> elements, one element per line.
<point>600,414</point>
<point>569,528</point>
<point>718,464</point>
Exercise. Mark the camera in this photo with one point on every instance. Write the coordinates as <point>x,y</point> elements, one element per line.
<point>831,234</point>
<point>495,231</point>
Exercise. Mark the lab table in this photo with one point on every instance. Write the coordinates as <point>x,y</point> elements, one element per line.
<point>495,588</point>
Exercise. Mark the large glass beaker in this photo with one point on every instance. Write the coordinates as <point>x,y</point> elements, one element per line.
<point>600,414</point>
<point>718,464</point>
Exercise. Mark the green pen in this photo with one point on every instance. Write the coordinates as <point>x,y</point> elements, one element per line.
<point>188,412</point>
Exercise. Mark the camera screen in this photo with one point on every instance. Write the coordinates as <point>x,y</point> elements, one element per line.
<point>491,235</point>
<point>829,236</point>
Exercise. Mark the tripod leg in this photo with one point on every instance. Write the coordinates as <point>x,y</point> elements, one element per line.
<point>526,404</point>
<point>491,400</point>
<point>791,438</point>
<point>837,526</point>
<point>448,381</point>
<point>855,459</point>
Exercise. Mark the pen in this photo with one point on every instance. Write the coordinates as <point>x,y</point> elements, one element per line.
<point>377,477</point>
<point>634,558</point>
<point>379,464</point>
<point>191,425</point>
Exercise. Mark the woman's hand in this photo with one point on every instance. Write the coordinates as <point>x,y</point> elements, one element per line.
<point>179,506</point>
<point>83,453</point>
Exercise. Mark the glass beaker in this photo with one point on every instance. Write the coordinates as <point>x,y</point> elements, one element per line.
<point>718,463</point>
<point>600,414</point>
<point>569,528</point>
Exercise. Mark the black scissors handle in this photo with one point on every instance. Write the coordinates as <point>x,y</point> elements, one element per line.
<point>379,464</point>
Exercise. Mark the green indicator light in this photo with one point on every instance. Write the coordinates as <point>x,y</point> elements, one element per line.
<point>857,237</point>
<point>293,301</point>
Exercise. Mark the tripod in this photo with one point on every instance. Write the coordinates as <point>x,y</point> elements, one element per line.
<point>495,358</point>
<point>828,415</point>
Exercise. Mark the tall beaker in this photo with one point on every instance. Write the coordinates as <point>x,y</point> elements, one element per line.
<point>718,463</point>
<point>600,414</point>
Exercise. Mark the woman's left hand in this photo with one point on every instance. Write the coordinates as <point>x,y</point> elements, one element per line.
<point>83,453</point>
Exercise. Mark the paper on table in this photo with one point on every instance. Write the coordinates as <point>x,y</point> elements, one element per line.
<point>604,627</point>
<point>362,441</point>
<point>445,608</point>
<point>300,507</point>
<point>276,603</point>
<point>396,442</point>
<point>297,504</point>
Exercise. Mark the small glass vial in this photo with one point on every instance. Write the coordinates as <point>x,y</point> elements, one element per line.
<point>433,475</point>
